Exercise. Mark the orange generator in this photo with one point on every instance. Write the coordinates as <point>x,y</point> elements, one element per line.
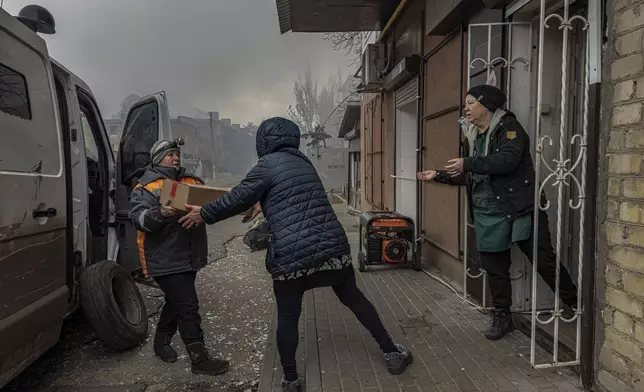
<point>387,238</point>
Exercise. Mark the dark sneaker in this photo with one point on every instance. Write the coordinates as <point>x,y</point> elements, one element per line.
<point>202,363</point>
<point>501,324</point>
<point>162,347</point>
<point>398,361</point>
<point>291,386</point>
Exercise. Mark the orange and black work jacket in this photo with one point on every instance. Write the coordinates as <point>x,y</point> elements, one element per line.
<point>165,247</point>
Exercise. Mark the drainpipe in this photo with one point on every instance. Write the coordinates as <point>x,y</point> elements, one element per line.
<point>420,115</point>
<point>348,183</point>
<point>382,152</point>
<point>587,340</point>
<point>391,20</point>
<point>459,227</point>
<point>596,14</point>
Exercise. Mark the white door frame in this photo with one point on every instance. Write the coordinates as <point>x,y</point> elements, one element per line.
<point>405,97</point>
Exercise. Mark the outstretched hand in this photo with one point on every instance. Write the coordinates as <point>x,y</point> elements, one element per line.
<point>455,167</point>
<point>427,175</point>
<point>192,218</point>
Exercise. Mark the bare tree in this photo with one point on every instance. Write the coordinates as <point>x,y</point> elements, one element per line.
<point>250,128</point>
<point>327,98</point>
<point>305,111</point>
<point>330,98</point>
<point>350,42</point>
<point>314,110</point>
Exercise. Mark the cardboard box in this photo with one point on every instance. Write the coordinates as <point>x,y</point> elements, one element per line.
<point>179,194</point>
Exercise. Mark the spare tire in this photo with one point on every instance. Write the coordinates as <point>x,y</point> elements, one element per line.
<point>113,305</point>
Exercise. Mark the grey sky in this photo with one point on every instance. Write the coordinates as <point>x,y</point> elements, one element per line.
<point>222,55</point>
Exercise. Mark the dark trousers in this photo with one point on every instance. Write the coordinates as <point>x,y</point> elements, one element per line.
<point>288,295</point>
<point>497,265</point>
<point>181,308</point>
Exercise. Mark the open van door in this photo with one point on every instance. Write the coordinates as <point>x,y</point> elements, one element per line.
<point>147,122</point>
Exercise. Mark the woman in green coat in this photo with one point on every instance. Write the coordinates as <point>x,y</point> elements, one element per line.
<point>499,177</point>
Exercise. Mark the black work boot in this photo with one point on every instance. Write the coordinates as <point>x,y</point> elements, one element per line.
<point>162,347</point>
<point>398,361</point>
<point>501,324</point>
<point>569,310</point>
<point>202,363</point>
<point>291,386</point>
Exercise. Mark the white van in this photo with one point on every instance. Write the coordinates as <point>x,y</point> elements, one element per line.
<point>66,240</point>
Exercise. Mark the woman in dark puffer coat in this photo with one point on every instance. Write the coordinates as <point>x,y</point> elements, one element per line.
<point>308,246</point>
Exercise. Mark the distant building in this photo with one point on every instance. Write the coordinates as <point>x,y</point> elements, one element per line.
<point>211,145</point>
<point>349,130</point>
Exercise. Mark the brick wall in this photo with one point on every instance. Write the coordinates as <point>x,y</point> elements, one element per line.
<point>621,360</point>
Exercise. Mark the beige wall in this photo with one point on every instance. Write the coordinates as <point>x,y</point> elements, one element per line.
<point>621,361</point>
<point>440,203</point>
<point>380,173</point>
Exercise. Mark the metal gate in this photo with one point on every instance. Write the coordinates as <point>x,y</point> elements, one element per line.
<point>487,43</point>
<point>560,157</point>
<point>567,173</point>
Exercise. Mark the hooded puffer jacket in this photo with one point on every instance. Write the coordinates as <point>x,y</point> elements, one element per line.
<point>304,230</point>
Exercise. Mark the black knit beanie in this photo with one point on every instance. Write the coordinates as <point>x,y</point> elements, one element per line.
<point>489,96</point>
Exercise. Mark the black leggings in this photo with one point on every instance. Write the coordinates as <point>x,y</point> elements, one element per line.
<point>288,295</point>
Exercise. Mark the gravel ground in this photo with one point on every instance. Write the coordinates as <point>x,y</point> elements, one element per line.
<point>236,308</point>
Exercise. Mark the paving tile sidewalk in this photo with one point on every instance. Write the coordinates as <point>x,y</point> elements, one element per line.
<point>337,354</point>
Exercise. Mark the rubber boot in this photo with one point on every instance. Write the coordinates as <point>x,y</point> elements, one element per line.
<point>398,361</point>
<point>501,324</point>
<point>291,386</point>
<point>162,347</point>
<point>202,363</point>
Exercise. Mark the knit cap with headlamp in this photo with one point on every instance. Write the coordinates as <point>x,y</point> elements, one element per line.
<point>161,149</point>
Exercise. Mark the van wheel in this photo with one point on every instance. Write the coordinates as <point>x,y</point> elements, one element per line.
<point>114,306</point>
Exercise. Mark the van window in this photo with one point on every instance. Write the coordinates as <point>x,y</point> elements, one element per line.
<point>91,148</point>
<point>139,135</point>
<point>97,170</point>
<point>28,119</point>
<point>14,98</point>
